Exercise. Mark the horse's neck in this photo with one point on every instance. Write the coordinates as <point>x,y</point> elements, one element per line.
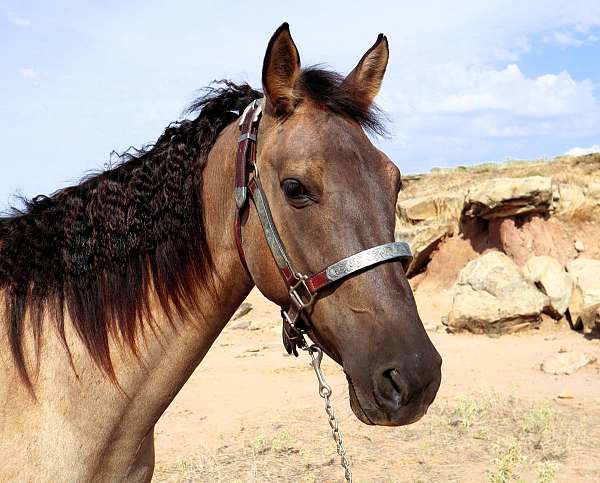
<point>95,408</point>
<point>175,352</point>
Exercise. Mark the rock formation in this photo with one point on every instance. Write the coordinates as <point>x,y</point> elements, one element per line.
<point>509,241</point>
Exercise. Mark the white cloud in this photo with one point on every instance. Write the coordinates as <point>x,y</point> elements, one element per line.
<point>461,90</point>
<point>18,21</point>
<point>563,39</point>
<point>508,90</point>
<point>463,84</point>
<point>28,73</point>
<point>577,151</point>
<point>576,38</point>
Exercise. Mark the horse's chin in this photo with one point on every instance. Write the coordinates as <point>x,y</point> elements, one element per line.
<point>376,417</point>
<point>356,407</point>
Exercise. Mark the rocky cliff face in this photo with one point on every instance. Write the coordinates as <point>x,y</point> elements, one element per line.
<point>540,215</point>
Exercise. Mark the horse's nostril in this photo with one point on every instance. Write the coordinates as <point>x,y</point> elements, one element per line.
<point>394,377</point>
<point>398,391</point>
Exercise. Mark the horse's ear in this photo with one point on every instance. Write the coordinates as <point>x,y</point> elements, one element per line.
<point>281,69</point>
<point>365,79</point>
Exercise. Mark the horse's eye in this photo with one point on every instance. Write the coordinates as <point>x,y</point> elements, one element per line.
<point>294,190</point>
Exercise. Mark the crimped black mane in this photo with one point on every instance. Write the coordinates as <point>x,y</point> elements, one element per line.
<point>104,248</point>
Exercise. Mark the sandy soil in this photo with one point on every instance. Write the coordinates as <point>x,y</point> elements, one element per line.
<point>251,413</point>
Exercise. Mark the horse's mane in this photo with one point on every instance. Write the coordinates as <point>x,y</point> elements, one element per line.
<point>105,248</point>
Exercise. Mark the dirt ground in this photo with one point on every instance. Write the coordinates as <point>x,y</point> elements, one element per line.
<point>250,413</point>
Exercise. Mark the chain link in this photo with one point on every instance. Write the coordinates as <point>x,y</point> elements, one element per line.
<point>325,392</point>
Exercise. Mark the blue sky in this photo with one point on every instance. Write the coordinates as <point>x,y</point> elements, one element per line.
<point>468,81</point>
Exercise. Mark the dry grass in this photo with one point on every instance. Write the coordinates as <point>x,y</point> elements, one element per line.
<point>563,169</point>
<point>482,436</point>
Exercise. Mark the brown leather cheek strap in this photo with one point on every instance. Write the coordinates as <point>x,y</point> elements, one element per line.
<point>303,289</point>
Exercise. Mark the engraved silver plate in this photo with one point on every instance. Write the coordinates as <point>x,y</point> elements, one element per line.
<point>368,258</point>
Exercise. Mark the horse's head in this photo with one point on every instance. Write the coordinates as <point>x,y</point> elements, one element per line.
<point>333,194</point>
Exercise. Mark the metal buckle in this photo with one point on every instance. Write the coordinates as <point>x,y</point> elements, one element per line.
<point>247,136</point>
<point>286,318</point>
<point>293,337</point>
<point>299,299</point>
<point>298,333</point>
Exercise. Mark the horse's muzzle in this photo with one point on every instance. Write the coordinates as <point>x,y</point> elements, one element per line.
<point>396,397</point>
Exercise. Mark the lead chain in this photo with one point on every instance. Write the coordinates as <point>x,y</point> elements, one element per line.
<point>325,392</point>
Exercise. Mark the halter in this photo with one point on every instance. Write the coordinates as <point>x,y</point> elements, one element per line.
<point>303,289</point>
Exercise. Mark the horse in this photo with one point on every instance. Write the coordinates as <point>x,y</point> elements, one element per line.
<point>113,290</point>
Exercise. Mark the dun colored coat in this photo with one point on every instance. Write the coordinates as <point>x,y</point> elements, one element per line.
<point>112,291</point>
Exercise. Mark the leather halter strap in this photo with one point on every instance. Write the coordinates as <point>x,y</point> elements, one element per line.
<point>303,289</point>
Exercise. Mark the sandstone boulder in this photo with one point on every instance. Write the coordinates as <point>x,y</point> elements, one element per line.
<point>548,275</point>
<point>440,208</point>
<point>424,221</point>
<point>492,296</point>
<point>423,240</point>
<point>504,197</point>
<point>566,362</point>
<point>590,318</point>
<point>586,275</point>
<point>242,310</point>
<point>584,306</point>
<point>242,325</point>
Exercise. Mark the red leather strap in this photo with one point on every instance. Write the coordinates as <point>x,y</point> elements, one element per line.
<point>317,281</point>
<point>238,240</point>
<point>246,153</point>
